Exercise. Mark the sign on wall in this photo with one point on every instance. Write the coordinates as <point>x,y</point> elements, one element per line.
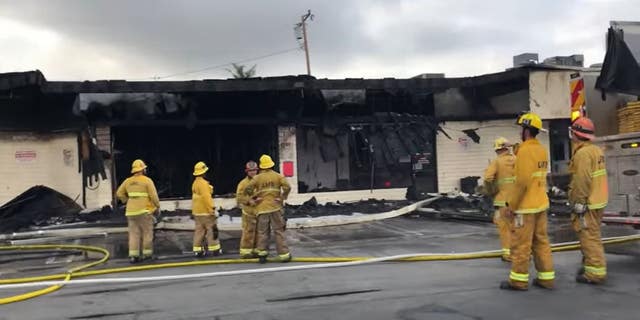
<point>463,142</point>
<point>67,157</point>
<point>25,156</point>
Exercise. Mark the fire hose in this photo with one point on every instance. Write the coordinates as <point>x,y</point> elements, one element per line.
<point>56,281</point>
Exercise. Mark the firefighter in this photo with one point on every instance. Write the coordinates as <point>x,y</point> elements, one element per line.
<point>268,191</point>
<point>499,180</point>
<point>529,202</point>
<point>588,195</point>
<point>249,219</point>
<point>141,198</point>
<point>206,226</point>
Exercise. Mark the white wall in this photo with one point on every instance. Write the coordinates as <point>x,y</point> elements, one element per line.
<point>461,157</point>
<point>28,159</point>
<point>288,152</point>
<point>549,93</point>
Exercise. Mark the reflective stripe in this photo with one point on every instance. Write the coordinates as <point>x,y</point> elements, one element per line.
<point>522,277</point>
<point>268,211</point>
<point>214,247</point>
<point>500,203</point>
<point>137,194</point>
<point>598,271</point>
<point>285,256</point>
<point>136,212</point>
<point>263,253</point>
<point>528,211</point>
<point>244,251</point>
<point>506,251</point>
<point>269,190</point>
<point>599,173</point>
<point>147,252</point>
<point>134,253</point>
<point>203,214</point>
<point>507,180</point>
<point>597,206</point>
<point>549,275</point>
<point>197,249</point>
<point>539,174</point>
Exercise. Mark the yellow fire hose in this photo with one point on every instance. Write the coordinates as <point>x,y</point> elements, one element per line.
<point>75,272</point>
<point>66,276</point>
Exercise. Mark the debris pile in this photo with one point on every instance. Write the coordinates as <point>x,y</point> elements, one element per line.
<point>311,208</point>
<point>42,206</point>
<point>477,207</point>
<point>461,206</point>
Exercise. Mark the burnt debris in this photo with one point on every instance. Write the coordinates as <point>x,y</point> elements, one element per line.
<point>43,206</point>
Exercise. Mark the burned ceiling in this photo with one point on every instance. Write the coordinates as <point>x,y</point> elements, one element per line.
<point>291,99</point>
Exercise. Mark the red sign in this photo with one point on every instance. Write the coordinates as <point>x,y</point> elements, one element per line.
<point>287,168</point>
<point>25,156</point>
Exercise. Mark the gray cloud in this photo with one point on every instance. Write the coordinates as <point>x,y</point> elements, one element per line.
<point>137,39</point>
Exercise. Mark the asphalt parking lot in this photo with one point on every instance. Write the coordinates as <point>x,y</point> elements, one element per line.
<point>466,289</point>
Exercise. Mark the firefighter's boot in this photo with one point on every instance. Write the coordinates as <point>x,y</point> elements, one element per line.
<point>505,285</point>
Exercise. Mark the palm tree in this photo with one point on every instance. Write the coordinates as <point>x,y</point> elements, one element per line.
<point>238,71</point>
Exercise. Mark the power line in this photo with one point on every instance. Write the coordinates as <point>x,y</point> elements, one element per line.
<point>220,66</point>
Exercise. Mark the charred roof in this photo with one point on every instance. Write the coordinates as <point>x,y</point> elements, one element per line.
<point>19,79</point>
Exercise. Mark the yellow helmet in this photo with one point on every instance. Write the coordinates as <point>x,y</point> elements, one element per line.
<point>266,162</point>
<point>500,143</point>
<point>200,168</point>
<point>137,166</point>
<point>530,120</point>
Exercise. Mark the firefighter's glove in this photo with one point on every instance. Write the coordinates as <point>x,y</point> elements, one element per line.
<point>508,214</point>
<point>254,201</point>
<point>579,208</point>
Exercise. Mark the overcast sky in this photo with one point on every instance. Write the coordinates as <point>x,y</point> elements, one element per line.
<point>136,40</point>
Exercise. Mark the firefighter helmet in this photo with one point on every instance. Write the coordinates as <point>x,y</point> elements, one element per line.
<point>266,162</point>
<point>137,166</point>
<point>200,168</point>
<point>584,128</point>
<point>500,143</point>
<point>251,166</point>
<point>530,120</point>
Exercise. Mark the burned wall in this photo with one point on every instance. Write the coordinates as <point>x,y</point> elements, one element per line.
<point>323,161</point>
<point>467,103</point>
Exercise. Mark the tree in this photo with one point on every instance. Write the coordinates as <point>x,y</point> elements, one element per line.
<point>238,71</point>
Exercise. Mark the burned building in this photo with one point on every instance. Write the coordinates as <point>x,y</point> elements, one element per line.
<point>350,137</point>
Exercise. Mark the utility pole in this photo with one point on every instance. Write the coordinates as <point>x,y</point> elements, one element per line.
<point>305,40</point>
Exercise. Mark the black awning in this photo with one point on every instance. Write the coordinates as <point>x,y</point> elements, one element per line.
<point>620,70</point>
